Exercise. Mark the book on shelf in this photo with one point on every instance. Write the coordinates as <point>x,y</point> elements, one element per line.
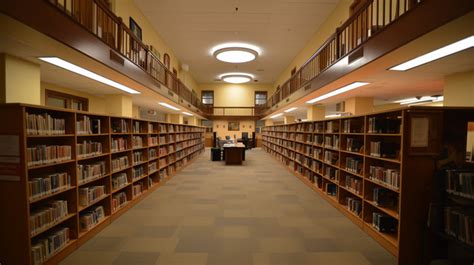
<point>86,125</point>
<point>47,215</point>
<point>137,127</point>
<point>44,124</point>
<point>120,163</point>
<point>354,205</point>
<point>459,223</point>
<point>90,218</point>
<point>119,180</point>
<point>119,126</point>
<point>47,154</point>
<point>137,189</point>
<point>43,186</point>
<point>460,182</point>
<point>384,124</point>
<point>354,164</point>
<point>88,148</point>
<point>353,184</point>
<point>384,223</point>
<point>138,157</point>
<point>45,247</point>
<point>354,145</point>
<point>118,200</point>
<point>152,154</point>
<point>86,172</point>
<point>331,189</point>
<point>138,172</point>
<point>385,198</point>
<point>88,195</point>
<point>384,149</point>
<point>119,144</point>
<point>386,176</point>
<point>137,141</point>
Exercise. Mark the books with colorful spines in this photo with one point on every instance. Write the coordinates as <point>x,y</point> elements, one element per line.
<point>119,163</point>
<point>44,154</point>
<point>44,124</point>
<point>118,200</point>
<point>119,180</point>
<point>88,148</point>
<point>86,172</point>
<point>46,246</point>
<point>90,218</point>
<point>88,195</point>
<point>50,184</point>
<point>47,215</point>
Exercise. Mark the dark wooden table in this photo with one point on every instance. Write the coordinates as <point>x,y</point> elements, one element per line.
<point>234,154</point>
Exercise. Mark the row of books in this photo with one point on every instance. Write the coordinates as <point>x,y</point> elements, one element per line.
<point>88,148</point>
<point>354,205</point>
<point>353,184</point>
<point>138,157</point>
<point>350,126</point>
<point>138,172</point>
<point>331,189</point>
<point>46,154</point>
<point>331,173</point>
<point>459,223</point>
<point>88,195</point>
<point>44,124</point>
<point>385,198</point>
<point>331,157</point>
<point>384,149</point>
<point>354,145</point>
<point>86,125</point>
<point>385,176</point>
<point>118,200</point>
<point>460,183</point>
<point>91,217</point>
<point>137,189</point>
<point>152,154</point>
<point>86,172</point>
<point>384,124</point>
<point>163,151</point>
<point>137,127</point>
<point>47,185</point>
<point>119,144</point>
<point>45,247</point>
<point>384,223</point>
<point>47,215</point>
<point>331,141</point>
<point>354,164</point>
<point>120,126</point>
<point>152,140</point>
<point>332,126</point>
<point>119,163</point>
<point>137,141</point>
<point>119,180</point>
<point>152,167</point>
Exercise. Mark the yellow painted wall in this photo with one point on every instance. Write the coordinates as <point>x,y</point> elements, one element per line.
<point>221,127</point>
<point>126,9</point>
<point>20,80</point>
<point>235,95</point>
<point>119,105</point>
<point>335,19</point>
<point>459,89</point>
<point>96,104</point>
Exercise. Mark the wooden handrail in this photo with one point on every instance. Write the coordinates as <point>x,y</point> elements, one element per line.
<point>99,20</point>
<point>346,38</point>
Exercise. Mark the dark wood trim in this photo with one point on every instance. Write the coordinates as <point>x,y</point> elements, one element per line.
<point>68,97</point>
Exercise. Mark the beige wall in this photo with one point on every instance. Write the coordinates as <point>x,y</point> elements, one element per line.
<point>222,128</point>
<point>96,104</point>
<point>19,80</point>
<point>335,19</point>
<point>234,95</point>
<point>126,9</point>
<point>459,89</point>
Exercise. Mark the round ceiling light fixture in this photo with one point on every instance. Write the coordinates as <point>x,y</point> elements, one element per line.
<point>236,78</point>
<point>235,52</point>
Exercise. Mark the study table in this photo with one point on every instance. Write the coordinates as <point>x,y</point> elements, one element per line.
<point>234,153</point>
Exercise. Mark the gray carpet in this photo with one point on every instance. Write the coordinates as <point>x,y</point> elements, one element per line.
<point>209,213</point>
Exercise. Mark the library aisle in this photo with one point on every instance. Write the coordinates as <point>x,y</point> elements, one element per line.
<point>209,213</point>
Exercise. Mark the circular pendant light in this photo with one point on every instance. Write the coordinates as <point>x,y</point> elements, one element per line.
<point>236,78</point>
<point>236,55</point>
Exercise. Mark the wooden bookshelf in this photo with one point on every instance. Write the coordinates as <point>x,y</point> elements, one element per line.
<point>342,158</point>
<point>94,149</point>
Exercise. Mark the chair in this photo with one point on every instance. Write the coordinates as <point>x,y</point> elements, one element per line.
<point>245,139</point>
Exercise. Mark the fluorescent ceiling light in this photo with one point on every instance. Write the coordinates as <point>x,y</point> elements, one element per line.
<point>291,109</point>
<point>84,72</point>
<point>436,54</point>
<point>187,113</point>
<point>418,100</point>
<point>332,116</point>
<point>236,55</point>
<point>276,115</point>
<point>168,106</point>
<point>236,78</point>
<point>338,91</point>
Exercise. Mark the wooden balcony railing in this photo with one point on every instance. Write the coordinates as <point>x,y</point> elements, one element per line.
<point>371,18</point>
<point>99,20</point>
<point>234,111</point>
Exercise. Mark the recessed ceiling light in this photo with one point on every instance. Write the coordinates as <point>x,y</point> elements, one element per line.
<point>290,110</point>
<point>436,54</point>
<point>187,113</point>
<point>84,72</point>
<point>276,115</point>
<point>235,55</point>
<point>168,106</point>
<point>338,91</point>
<point>235,52</point>
<point>236,78</point>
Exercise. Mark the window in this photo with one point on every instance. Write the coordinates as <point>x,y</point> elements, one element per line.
<point>207,97</point>
<point>260,98</point>
<point>66,101</point>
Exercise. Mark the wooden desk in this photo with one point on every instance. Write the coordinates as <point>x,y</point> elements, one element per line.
<point>234,154</point>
